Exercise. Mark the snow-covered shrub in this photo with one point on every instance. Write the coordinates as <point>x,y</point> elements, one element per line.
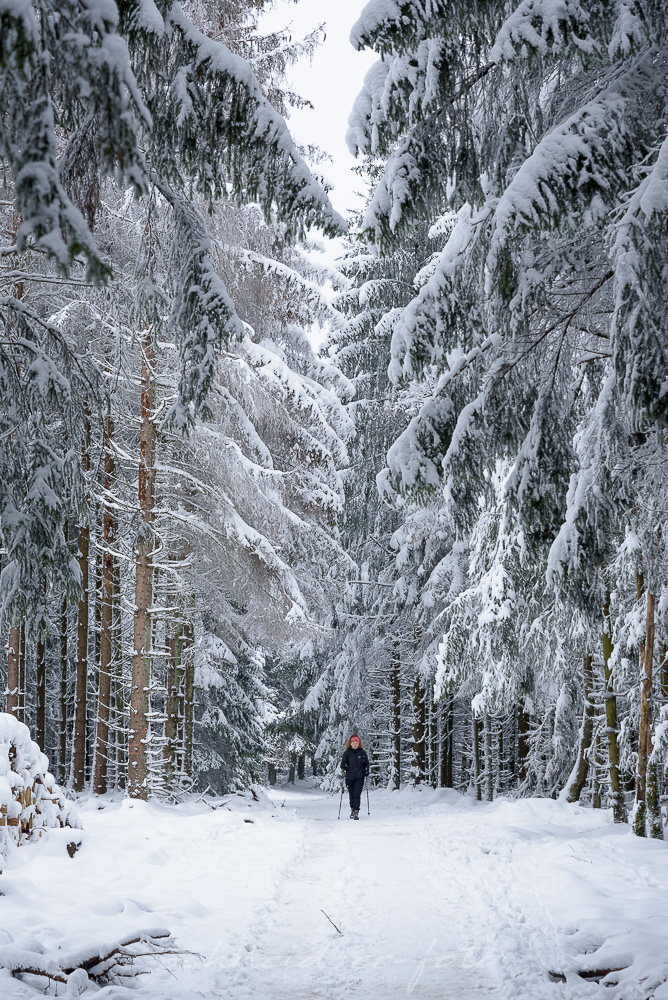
<point>30,799</point>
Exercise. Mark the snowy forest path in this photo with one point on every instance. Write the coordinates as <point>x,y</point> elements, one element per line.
<point>435,896</point>
<point>405,926</point>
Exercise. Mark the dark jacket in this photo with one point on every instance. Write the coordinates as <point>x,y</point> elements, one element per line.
<point>355,764</point>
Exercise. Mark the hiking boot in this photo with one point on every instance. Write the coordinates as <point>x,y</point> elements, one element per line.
<point>356,814</point>
<point>352,814</point>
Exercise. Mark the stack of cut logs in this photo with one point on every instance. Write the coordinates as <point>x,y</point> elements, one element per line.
<point>30,799</point>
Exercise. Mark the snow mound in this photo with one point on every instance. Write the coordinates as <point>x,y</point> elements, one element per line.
<point>30,799</point>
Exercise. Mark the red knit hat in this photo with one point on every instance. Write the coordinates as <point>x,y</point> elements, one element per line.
<point>354,737</point>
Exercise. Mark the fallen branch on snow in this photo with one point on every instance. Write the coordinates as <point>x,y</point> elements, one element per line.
<point>102,964</point>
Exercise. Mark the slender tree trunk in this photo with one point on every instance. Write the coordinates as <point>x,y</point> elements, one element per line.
<point>477,733</point>
<point>118,695</point>
<point>102,748</point>
<point>23,680</point>
<point>13,643</point>
<point>170,706</point>
<point>489,761</point>
<point>395,692</point>
<point>616,794</point>
<point>647,812</point>
<point>189,697</point>
<point>64,721</point>
<point>446,743</point>
<point>578,777</point>
<point>141,657</point>
<point>79,741</point>
<point>502,763</point>
<point>596,787</point>
<point>40,713</point>
<point>418,731</point>
<point>179,704</point>
<point>523,730</point>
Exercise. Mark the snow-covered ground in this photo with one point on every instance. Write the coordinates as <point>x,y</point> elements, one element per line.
<point>435,895</point>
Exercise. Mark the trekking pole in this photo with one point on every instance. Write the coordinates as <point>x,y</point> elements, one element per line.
<point>368,807</point>
<point>340,800</point>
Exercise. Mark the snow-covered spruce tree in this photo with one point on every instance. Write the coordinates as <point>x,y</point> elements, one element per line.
<point>537,122</point>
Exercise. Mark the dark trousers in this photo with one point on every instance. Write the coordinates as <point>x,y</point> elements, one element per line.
<point>355,791</point>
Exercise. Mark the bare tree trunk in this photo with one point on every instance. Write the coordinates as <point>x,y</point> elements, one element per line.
<point>189,696</point>
<point>646,778</point>
<point>40,713</point>
<point>170,706</point>
<point>141,656</point>
<point>79,741</point>
<point>477,732</point>
<point>64,722</point>
<point>446,743</point>
<point>616,794</point>
<point>23,681</point>
<point>501,787</point>
<point>118,695</point>
<point>13,643</point>
<point>523,730</point>
<point>578,777</point>
<point>395,691</point>
<point>489,762</point>
<point>596,792</point>
<point>418,764</point>
<point>100,782</point>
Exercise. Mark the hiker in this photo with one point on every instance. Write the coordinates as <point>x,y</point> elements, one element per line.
<point>355,767</point>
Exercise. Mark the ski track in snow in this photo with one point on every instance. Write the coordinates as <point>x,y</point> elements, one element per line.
<point>436,897</point>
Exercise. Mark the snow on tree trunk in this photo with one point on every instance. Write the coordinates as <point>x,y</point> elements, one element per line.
<point>106,615</point>
<point>418,763</point>
<point>141,653</point>
<point>79,743</point>
<point>64,671</point>
<point>40,692</point>
<point>616,794</point>
<point>646,778</point>
<point>12,701</point>
<point>395,749</point>
<point>578,777</point>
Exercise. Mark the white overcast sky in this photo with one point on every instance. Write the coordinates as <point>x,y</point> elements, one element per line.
<point>331,82</point>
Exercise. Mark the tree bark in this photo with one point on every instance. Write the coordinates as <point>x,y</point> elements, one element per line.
<point>170,706</point>
<point>141,656</point>
<point>13,642</point>
<point>523,730</point>
<point>395,692</point>
<point>489,761</point>
<point>616,794</point>
<point>64,722</point>
<point>647,811</point>
<point>23,643</point>
<point>418,731</point>
<point>102,748</point>
<point>40,713</point>
<point>596,789</point>
<point>578,777</point>
<point>79,739</point>
<point>446,743</point>
<point>477,731</point>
